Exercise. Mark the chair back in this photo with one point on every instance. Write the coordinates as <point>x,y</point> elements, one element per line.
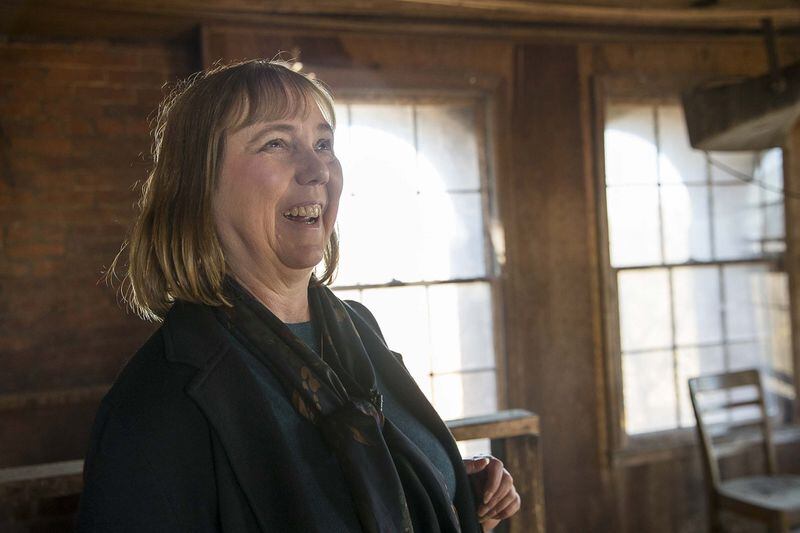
<point>732,418</point>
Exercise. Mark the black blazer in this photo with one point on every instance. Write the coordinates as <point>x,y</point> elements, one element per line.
<point>186,440</point>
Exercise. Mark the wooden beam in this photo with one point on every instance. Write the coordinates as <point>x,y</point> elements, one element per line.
<point>176,19</point>
<point>791,203</point>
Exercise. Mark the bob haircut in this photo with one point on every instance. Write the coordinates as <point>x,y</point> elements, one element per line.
<point>173,251</point>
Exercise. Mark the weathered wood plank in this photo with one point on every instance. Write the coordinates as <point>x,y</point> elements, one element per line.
<point>671,13</point>
<point>502,425</point>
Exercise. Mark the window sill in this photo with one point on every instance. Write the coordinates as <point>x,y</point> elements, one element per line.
<point>679,443</point>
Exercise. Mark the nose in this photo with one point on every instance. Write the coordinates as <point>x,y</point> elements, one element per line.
<point>311,169</point>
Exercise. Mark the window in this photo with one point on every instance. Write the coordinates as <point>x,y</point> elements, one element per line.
<point>414,245</point>
<point>695,241</point>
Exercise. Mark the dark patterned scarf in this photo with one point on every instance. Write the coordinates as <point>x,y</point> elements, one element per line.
<point>386,472</point>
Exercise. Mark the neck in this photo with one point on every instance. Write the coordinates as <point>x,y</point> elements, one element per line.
<point>286,298</point>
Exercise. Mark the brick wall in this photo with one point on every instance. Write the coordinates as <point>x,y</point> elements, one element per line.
<point>73,142</point>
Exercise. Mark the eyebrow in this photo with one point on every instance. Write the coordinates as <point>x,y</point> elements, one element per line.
<point>286,128</point>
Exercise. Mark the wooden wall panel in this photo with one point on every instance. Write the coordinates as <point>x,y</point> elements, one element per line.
<point>550,326</point>
<point>374,51</point>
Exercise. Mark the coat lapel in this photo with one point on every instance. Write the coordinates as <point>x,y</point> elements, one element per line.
<point>231,399</point>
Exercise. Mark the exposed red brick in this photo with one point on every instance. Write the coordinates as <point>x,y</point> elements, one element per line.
<point>34,250</point>
<point>32,145</point>
<point>22,72</point>
<point>77,75</point>
<point>104,94</point>
<point>146,79</point>
<point>110,126</point>
<point>76,139</point>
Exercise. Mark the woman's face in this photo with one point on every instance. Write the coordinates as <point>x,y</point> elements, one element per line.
<point>278,194</point>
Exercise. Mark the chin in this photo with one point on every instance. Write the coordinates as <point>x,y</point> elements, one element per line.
<point>304,261</point>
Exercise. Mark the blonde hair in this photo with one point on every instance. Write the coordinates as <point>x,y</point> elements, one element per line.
<point>173,251</point>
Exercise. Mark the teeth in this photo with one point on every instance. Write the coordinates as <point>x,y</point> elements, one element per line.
<point>312,211</point>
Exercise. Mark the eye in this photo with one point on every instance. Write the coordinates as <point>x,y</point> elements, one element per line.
<point>273,144</point>
<point>325,144</point>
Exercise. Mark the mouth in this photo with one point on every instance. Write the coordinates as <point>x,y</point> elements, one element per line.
<point>304,214</point>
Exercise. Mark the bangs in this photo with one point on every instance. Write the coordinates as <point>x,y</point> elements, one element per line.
<point>273,92</point>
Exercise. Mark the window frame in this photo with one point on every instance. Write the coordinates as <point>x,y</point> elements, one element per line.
<point>622,448</point>
<point>484,92</point>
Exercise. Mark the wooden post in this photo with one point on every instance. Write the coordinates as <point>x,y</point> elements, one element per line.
<point>514,436</point>
<point>791,186</point>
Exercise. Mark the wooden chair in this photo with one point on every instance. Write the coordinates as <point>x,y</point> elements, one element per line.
<point>769,498</point>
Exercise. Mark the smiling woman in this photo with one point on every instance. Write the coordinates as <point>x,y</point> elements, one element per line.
<point>264,403</point>
<point>276,202</point>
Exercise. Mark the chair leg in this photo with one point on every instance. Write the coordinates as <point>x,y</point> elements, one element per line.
<point>779,523</point>
<point>716,522</point>
<point>714,517</point>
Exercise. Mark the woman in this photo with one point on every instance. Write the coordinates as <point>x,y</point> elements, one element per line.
<point>264,403</point>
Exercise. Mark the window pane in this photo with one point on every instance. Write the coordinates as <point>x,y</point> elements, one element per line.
<point>461,326</point>
<point>379,240</point>
<point>649,392</point>
<point>745,287</point>
<point>737,221</point>
<point>448,243</point>
<point>770,172</point>
<point>777,345</point>
<point>678,162</point>
<point>399,311</point>
<point>633,225</point>
<point>630,147</point>
<point>341,143</point>
<point>693,362</point>
<point>468,394</point>
<point>383,139</point>
<point>644,310</point>
<point>687,234</point>
<point>769,167</point>
<point>744,355</point>
<point>698,317</point>
<point>732,167</point>
<point>448,149</point>
<point>774,229</point>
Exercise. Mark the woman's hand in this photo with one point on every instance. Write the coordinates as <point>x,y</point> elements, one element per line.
<point>495,489</point>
